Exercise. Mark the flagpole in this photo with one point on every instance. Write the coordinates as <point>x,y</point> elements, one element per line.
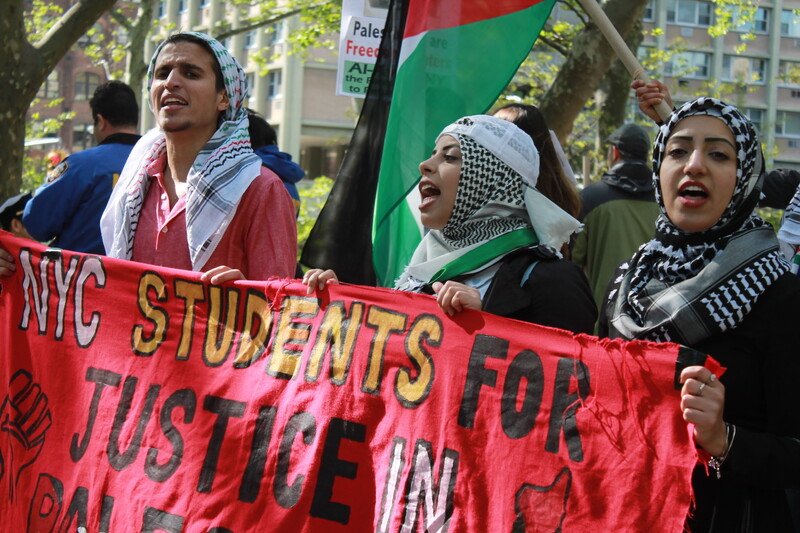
<point>621,48</point>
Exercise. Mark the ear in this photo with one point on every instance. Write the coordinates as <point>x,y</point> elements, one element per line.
<point>614,152</point>
<point>224,102</point>
<point>101,123</point>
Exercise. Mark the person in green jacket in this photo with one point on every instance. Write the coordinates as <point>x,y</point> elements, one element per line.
<point>619,211</point>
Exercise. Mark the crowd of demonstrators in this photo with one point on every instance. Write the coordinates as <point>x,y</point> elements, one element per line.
<point>11,215</point>
<point>619,211</point>
<point>66,209</point>
<point>264,141</point>
<point>193,195</point>
<point>494,238</point>
<point>714,279</point>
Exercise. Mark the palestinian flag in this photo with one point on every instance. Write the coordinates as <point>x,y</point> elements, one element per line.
<point>455,58</point>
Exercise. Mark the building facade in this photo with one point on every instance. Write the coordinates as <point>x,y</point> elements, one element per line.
<point>762,79</point>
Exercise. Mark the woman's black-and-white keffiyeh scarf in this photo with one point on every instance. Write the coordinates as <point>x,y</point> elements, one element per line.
<point>497,208</point>
<point>220,174</point>
<point>681,287</point>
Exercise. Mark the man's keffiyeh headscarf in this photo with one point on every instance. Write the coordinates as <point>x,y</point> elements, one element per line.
<point>220,174</point>
<point>681,287</point>
<point>497,208</point>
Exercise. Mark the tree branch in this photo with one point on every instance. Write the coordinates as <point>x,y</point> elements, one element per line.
<point>554,45</point>
<point>258,23</point>
<point>120,18</point>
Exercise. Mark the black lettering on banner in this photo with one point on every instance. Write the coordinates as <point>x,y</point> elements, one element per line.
<point>63,281</point>
<point>420,480</point>
<point>120,461</point>
<point>565,406</point>
<point>284,361</point>
<point>385,322</point>
<point>46,504</point>
<point>528,366</point>
<point>287,494</point>
<point>101,378</point>
<point>331,467</point>
<point>337,336</point>
<point>76,512</point>
<point>158,521</point>
<point>392,483</point>
<point>478,375</point>
<point>85,332</point>
<point>220,330</point>
<point>219,530</point>
<point>192,293</point>
<point>105,513</point>
<point>187,400</point>
<point>225,410</point>
<point>411,388</point>
<point>251,480</point>
<point>142,343</point>
<point>41,299</point>
<point>253,344</point>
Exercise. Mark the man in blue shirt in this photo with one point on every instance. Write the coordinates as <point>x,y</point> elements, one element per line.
<point>67,208</point>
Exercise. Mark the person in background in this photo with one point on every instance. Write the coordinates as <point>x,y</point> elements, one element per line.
<point>556,179</point>
<point>714,280</point>
<point>11,215</point>
<point>67,208</point>
<point>264,141</point>
<point>619,211</point>
<point>494,238</point>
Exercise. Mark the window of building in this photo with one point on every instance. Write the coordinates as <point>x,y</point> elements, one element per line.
<point>787,123</point>
<point>276,33</point>
<point>756,116</point>
<point>790,23</point>
<point>181,6</point>
<point>688,65</point>
<point>85,84</point>
<point>746,69</point>
<point>51,87</point>
<point>250,39</point>
<point>82,136</point>
<point>275,84</point>
<point>650,11</point>
<point>162,9</point>
<point>789,72</point>
<point>251,83</point>
<point>689,12</point>
<point>759,23</point>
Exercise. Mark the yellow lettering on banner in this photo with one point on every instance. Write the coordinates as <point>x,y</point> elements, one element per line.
<point>283,362</point>
<point>337,335</point>
<point>412,391</point>
<point>220,330</point>
<point>253,344</point>
<point>142,343</point>
<point>384,322</point>
<point>191,292</point>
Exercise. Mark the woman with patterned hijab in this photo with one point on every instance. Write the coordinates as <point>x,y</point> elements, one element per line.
<point>714,279</point>
<point>494,239</point>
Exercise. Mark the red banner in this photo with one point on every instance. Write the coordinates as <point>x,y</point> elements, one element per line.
<point>137,398</point>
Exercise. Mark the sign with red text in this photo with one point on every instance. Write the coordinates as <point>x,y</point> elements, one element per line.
<point>359,41</point>
<point>136,398</point>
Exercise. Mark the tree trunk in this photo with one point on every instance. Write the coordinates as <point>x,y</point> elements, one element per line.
<point>23,68</point>
<point>582,72</point>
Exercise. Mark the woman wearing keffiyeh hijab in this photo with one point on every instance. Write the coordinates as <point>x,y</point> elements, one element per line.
<point>193,195</point>
<point>494,239</point>
<point>714,279</point>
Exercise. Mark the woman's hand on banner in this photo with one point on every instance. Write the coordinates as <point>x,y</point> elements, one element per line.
<point>454,297</point>
<point>221,274</point>
<point>702,403</point>
<point>316,278</point>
